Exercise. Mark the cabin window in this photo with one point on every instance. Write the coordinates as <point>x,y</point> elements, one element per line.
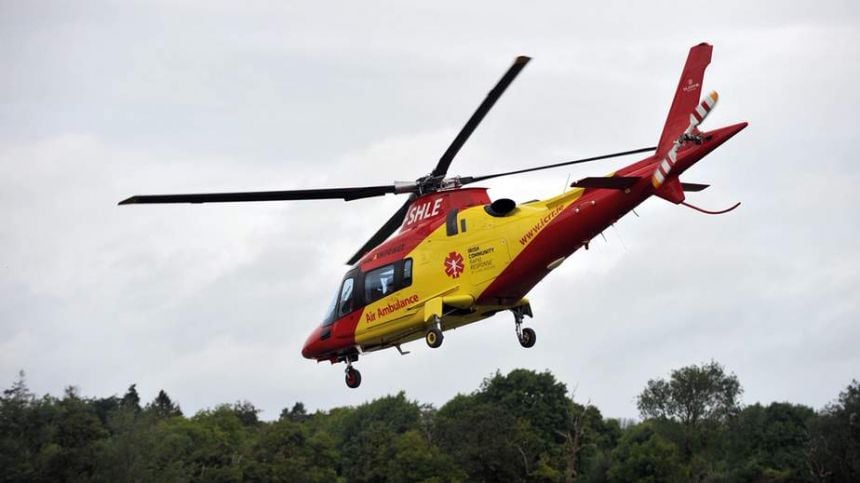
<point>346,297</point>
<point>379,283</point>
<point>386,280</point>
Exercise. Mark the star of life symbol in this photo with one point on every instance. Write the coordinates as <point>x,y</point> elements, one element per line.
<point>454,265</point>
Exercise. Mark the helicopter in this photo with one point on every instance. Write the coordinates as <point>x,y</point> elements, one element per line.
<point>458,257</point>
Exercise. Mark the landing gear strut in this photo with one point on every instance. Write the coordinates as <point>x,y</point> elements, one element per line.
<point>526,336</point>
<point>352,377</point>
<point>434,336</point>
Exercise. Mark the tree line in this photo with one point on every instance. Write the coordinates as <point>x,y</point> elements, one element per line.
<point>522,426</point>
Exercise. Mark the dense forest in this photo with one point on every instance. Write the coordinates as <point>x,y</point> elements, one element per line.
<point>523,426</point>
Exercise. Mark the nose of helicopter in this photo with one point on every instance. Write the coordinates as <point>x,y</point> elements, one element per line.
<point>311,349</point>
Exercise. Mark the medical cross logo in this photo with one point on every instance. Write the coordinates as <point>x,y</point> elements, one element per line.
<point>454,265</point>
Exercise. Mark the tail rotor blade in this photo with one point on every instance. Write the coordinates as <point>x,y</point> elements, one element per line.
<point>696,117</point>
<point>700,113</point>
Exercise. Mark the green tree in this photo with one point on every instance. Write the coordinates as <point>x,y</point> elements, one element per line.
<point>19,428</point>
<point>131,399</point>
<point>163,407</point>
<point>692,395</point>
<point>129,453</point>
<point>246,412</point>
<point>298,413</point>
<point>589,443</point>
<point>287,451</point>
<point>417,459</point>
<point>104,407</point>
<point>521,425</point>
<point>769,443</point>
<point>483,439</point>
<point>72,450</point>
<point>555,437</point>
<point>643,455</point>
<point>368,436</point>
<point>693,407</point>
<point>214,445</point>
<point>834,450</point>
<point>538,397</point>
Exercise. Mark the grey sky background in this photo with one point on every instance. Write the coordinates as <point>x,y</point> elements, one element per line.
<point>102,100</point>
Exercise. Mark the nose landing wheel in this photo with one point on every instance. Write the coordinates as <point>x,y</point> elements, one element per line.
<point>352,377</point>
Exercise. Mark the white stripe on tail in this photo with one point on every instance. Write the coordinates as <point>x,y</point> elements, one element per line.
<point>696,117</point>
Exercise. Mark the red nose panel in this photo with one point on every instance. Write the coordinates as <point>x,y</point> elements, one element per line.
<point>326,343</point>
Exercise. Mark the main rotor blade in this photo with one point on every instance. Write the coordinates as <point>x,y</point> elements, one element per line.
<point>346,194</point>
<point>473,179</point>
<point>384,232</point>
<point>478,116</point>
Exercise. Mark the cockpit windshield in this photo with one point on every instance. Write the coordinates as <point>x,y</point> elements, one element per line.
<point>359,289</point>
<point>343,301</point>
<point>329,314</point>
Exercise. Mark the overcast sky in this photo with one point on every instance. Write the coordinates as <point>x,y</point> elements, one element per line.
<point>102,100</point>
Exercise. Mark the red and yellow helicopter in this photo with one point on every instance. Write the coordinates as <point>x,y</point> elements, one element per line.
<point>459,257</point>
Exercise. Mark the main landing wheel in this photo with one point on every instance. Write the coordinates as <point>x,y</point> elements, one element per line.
<point>353,377</point>
<point>433,337</point>
<point>528,337</point>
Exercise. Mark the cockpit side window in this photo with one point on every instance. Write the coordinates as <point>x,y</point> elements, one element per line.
<point>346,297</point>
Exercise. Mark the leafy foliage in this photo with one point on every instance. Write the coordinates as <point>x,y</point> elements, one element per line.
<point>522,426</point>
<point>834,451</point>
<point>692,395</point>
<point>644,455</point>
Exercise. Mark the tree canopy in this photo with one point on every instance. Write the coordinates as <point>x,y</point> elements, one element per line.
<point>692,395</point>
<point>520,426</point>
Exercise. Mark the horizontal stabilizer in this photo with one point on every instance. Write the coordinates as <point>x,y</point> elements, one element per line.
<point>694,187</point>
<point>608,182</point>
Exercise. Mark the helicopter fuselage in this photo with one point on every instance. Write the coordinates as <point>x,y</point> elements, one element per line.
<point>458,259</point>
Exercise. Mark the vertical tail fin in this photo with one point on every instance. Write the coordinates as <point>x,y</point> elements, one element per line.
<point>686,97</point>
